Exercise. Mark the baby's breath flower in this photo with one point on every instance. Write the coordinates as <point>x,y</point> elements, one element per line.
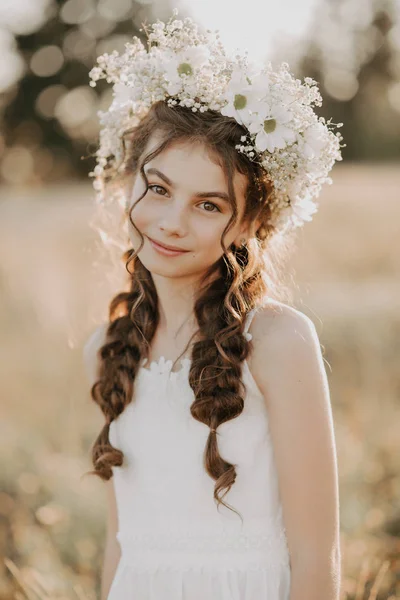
<point>185,67</point>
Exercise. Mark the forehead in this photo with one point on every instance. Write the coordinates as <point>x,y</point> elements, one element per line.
<point>192,166</point>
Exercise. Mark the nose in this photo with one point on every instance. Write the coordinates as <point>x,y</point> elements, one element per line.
<point>173,219</point>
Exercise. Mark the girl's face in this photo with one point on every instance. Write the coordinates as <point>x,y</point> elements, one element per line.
<point>186,206</point>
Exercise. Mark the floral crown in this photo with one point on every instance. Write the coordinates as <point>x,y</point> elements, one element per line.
<point>182,66</point>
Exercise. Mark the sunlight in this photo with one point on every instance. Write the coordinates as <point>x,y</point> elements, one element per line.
<point>261,27</point>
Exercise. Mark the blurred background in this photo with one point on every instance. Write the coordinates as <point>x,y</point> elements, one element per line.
<point>54,288</point>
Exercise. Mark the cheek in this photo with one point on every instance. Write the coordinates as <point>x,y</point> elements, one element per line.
<point>211,238</point>
<point>141,215</point>
<point>208,237</point>
<point>138,217</point>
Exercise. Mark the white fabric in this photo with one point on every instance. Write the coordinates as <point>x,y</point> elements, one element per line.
<point>175,544</point>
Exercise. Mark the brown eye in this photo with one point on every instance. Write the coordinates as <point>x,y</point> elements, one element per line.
<point>212,204</point>
<point>160,187</point>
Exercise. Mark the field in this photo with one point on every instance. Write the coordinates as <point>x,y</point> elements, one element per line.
<point>52,293</point>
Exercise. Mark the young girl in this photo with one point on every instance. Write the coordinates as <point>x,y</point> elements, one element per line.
<point>218,448</point>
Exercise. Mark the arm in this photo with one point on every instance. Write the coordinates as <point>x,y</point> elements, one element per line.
<point>288,366</point>
<point>112,552</point>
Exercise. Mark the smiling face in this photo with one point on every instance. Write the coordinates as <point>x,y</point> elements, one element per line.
<point>186,206</point>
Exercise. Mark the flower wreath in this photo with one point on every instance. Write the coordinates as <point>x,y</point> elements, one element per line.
<point>183,66</point>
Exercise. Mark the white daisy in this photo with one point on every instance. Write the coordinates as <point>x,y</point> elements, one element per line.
<point>269,125</point>
<point>185,62</point>
<point>243,93</point>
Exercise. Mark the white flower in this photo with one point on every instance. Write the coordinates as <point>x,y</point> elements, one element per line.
<point>185,62</point>
<point>313,140</point>
<point>122,93</point>
<point>303,210</point>
<point>275,108</point>
<point>269,123</point>
<point>295,214</point>
<point>301,205</point>
<point>242,94</point>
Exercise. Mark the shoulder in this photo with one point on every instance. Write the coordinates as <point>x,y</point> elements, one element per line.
<point>91,347</point>
<point>278,322</point>
<point>286,347</point>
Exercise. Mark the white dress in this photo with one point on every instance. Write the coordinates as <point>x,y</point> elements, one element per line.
<point>175,544</point>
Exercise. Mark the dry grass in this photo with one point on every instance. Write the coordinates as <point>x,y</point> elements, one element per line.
<point>348,271</point>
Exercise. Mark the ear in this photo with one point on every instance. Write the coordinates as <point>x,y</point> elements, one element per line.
<point>247,231</point>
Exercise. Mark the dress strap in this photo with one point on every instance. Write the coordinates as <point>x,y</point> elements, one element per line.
<point>249,318</point>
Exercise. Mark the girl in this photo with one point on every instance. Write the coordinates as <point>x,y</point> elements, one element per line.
<point>218,448</point>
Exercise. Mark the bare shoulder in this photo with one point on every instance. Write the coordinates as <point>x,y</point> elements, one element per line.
<point>90,351</point>
<point>278,321</point>
<point>285,346</point>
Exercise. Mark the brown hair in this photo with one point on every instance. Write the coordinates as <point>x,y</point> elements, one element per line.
<point>238,282</point>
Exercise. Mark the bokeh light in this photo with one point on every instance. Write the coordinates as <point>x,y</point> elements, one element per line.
<point>12,65</point>
<point>74,108</point>
<point>23,17</point>
<point>47,100</point>
<point>78,45</point>
<point>340,84</point>
<point>77,11</point>
<point>97,26</point>
<point>115,10</point>
<point>47,61</point>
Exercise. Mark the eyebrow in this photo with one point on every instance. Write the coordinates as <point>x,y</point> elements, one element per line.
<point>222,195</point>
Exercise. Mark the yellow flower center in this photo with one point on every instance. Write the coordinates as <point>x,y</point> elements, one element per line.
<point>240,101</point>
<point>269,125</point>
<point>185,69</point>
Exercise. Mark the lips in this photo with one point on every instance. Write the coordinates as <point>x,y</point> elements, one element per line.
<point>168,247</point>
